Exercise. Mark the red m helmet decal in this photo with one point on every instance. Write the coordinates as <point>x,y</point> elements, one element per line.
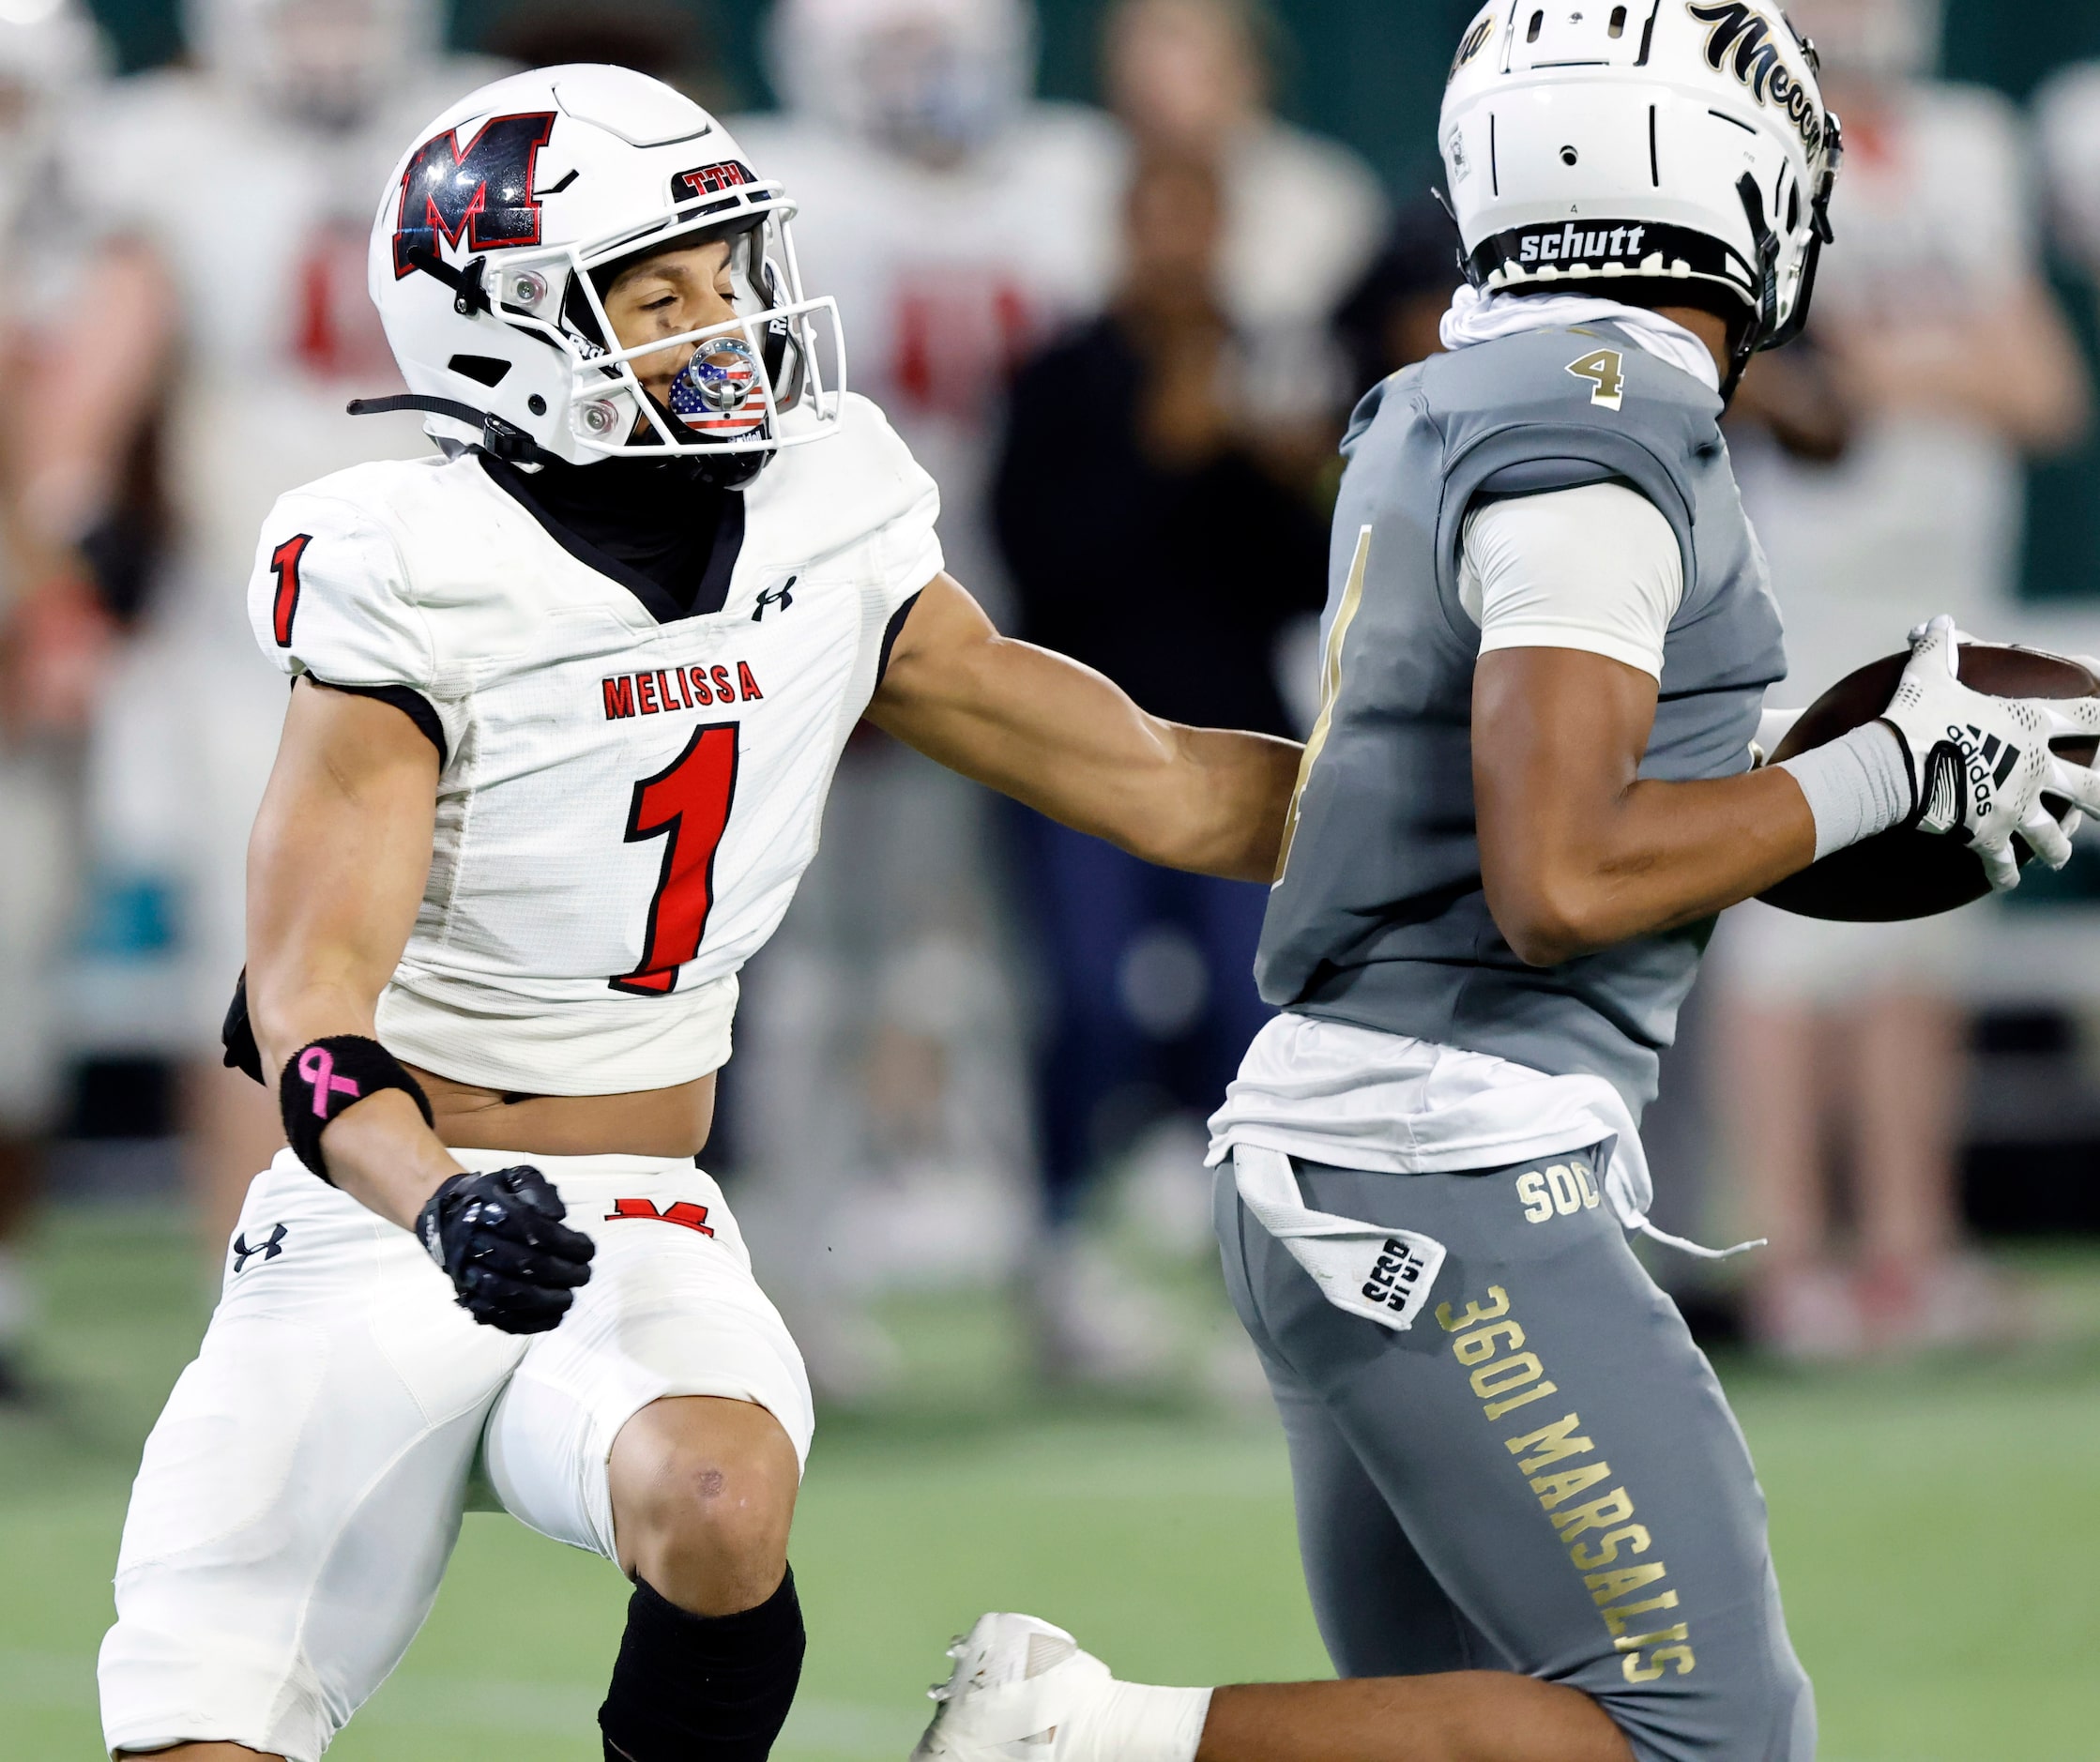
<point>481,192</point>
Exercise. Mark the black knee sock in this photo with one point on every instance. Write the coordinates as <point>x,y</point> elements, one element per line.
<point>690,1688</point>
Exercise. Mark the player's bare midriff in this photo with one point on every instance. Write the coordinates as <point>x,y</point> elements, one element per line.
<point>671,1121</point>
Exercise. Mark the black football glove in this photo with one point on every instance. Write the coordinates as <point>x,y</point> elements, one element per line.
<point>501,1240</point>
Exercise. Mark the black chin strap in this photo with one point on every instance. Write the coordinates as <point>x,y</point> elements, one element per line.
<point>503,439</point>
<point>1457,235</point>
<point>469,295</point>
<point>1767,332</point>
<point>1761,332</point>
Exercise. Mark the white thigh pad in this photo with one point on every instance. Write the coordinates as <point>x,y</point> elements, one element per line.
<point>670,1309</point>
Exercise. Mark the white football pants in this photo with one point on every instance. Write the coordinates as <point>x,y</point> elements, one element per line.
<point>303,1488</point>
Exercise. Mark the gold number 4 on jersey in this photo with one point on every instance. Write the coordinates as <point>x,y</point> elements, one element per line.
<point>1604,370</point>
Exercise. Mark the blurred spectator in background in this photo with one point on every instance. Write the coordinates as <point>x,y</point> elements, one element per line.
<point>2067,121</point>
<point>227,312</point>
<point>54,636</point>
<point>959,221</point>
<point>1390,318</point>
<point>662,38</point>
<point>1159,525</point>
<point>1192,80</point>
<point>878,1098</point>
<point>1941,339</point>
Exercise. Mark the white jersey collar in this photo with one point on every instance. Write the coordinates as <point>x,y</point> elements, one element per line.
<point>1477,316</point>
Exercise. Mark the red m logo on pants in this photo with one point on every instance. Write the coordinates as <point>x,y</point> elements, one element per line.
<point>683,1212</point>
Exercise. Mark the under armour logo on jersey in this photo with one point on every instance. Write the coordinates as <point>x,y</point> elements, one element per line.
<point>268,1249</point>
<point>686,1213</point>
<point>782,597</point>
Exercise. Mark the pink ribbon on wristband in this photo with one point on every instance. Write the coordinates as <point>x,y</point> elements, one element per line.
<point>317,1066</point>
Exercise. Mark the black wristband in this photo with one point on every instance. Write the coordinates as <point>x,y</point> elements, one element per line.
<point>325,1076</point>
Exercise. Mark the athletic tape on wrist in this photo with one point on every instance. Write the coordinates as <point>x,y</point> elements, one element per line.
<point>1857,785</point>
<point>325,1076</point>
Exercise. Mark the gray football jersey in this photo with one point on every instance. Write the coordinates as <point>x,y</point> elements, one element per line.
<point>1377,917</point>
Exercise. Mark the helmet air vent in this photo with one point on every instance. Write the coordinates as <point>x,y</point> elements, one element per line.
<point>1538,19</point>
<point>1618,26</point>
<point>484,370</point>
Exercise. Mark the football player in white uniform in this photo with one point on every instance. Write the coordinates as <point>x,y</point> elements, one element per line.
<point>229,306</point>
<point>919,108</point>
<point>922,107</point>
<point>567,703</point>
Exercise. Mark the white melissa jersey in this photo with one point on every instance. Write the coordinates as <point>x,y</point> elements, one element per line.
<point>261,226</point>
<point>625,804</point>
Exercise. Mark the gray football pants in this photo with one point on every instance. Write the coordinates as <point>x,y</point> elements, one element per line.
<point>1542,1475</point>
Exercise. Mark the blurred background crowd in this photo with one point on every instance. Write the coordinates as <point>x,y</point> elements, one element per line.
<point>1117,269</point>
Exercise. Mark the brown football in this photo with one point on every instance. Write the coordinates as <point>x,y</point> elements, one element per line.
<point>1907,874</point>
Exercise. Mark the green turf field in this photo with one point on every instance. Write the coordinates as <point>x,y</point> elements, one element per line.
<point>1936,1533</point>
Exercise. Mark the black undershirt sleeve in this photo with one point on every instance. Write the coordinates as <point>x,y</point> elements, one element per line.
<point>407,699</point>
<point>892,631</point>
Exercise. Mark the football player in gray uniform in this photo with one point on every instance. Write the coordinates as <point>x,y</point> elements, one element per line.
<point>1530,1523</point>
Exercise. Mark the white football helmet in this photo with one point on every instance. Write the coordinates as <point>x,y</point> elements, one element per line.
<point>327,62</point>
<point>500,226</point>
<point>943,76</point>
<point>1674,147</point>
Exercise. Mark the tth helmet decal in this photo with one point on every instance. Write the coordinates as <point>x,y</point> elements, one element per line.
<point>710,180</point>
<point>504,223</point>
<point>1677,146</point>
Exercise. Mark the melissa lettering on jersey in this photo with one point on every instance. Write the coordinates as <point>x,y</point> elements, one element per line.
<point>661,689</point>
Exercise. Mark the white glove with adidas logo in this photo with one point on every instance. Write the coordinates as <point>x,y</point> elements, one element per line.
<point>1980,765</point>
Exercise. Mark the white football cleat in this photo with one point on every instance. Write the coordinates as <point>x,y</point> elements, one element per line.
<point>1016,1681</point>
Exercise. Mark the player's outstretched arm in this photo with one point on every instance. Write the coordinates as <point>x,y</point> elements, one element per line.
<point>1576,853</point>
<point>1067,742</point>
<point>336,866</point>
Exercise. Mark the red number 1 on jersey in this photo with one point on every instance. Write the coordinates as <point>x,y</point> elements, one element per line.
<point>285,565</point>
<point>686,805</point>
